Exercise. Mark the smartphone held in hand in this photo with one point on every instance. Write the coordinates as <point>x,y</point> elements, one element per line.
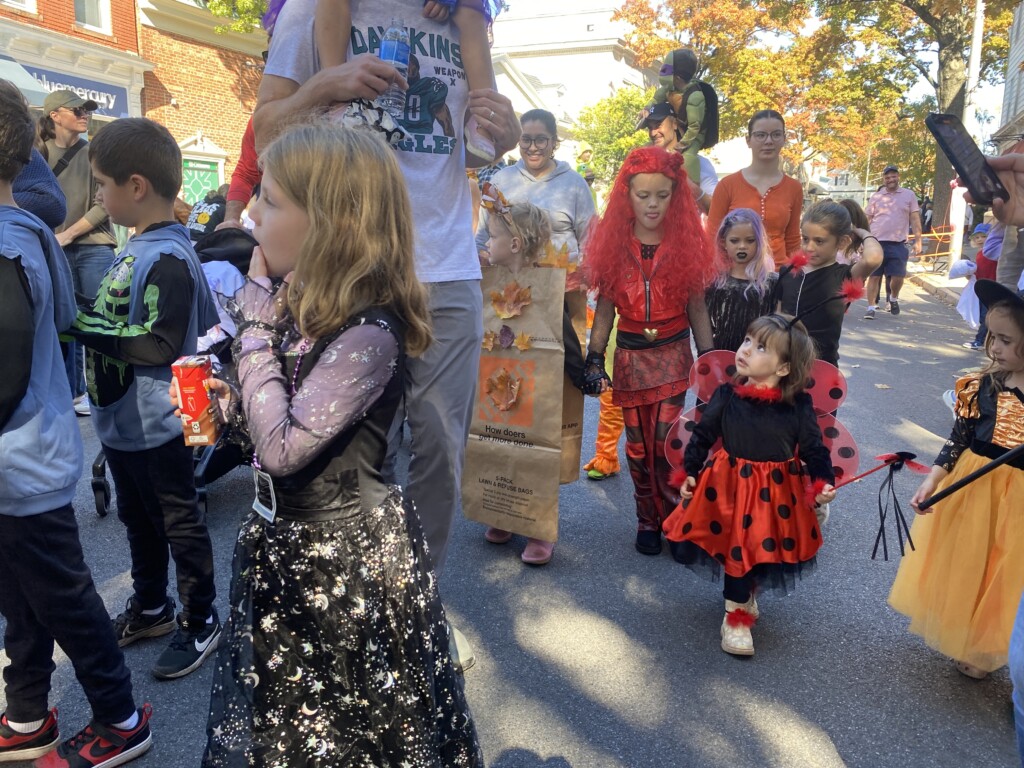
<point>971,165</point>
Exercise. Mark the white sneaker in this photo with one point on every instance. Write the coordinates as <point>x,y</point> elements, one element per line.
<point>81,405</point>
<point>739,618</point>
<point>460,650</point>
<point>969,670</point>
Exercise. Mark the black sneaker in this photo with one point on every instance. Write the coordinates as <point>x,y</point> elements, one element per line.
<point>894,307</point>
<point>132,624</point>
<point>192,643</point>
<point>98,745</point>
<point>26,746</point>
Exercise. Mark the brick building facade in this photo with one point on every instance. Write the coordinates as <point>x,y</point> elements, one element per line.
<point>162,59</point>
<point>203,86</point>
<point>93,50</point>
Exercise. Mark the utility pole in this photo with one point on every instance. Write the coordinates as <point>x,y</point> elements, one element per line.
<point>974,70</point>
<point>957,203</point>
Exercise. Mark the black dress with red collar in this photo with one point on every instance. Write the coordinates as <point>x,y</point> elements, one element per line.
<point>752,511</point>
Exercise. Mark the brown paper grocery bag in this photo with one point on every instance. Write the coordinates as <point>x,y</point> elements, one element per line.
<point>513,457</point>
<point>572,432</point>
<point>572,398</point>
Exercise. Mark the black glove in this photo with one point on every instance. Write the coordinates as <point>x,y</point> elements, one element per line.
<point>593,374</point>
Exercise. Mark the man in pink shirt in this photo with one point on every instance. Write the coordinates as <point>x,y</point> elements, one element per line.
<point>892,212</point>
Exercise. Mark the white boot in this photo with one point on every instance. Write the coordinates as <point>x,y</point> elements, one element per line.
<point>739,618</point>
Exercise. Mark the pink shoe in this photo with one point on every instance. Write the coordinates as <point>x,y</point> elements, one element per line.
<point>498,536</point>
<point>478,142</point>
<point>538,552</point>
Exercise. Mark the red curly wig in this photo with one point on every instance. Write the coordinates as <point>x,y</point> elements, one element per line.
<point>684,253</point>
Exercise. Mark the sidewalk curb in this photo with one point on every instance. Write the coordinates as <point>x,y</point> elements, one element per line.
<point>945,295</point>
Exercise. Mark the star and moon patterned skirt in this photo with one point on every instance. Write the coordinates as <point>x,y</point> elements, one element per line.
<point>335,652</point>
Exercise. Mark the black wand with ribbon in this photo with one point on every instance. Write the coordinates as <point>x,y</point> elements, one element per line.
<point>1010,455</point>
<point>888,492</point>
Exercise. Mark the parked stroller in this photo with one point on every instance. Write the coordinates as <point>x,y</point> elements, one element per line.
<point>224,256</point>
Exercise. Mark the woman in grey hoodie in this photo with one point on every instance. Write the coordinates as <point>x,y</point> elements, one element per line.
<point>551,185</point>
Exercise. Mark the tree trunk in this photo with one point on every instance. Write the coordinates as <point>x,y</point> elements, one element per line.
<point>952,96</point>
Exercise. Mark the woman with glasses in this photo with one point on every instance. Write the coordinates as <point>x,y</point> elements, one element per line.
<point>551,185</point>
<point>763,187</point>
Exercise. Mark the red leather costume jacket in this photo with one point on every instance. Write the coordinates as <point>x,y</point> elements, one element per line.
<point>640,298</point>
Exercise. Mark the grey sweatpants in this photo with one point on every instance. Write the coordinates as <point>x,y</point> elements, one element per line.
<point>440,392</point>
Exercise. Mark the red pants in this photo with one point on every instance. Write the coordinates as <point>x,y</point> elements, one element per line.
<point>646,429</point>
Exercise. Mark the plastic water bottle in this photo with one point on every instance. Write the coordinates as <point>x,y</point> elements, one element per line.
<point>394,49</point>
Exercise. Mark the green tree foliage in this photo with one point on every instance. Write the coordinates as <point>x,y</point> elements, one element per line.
<point>244,15</point>
<point>608,127</point>
<point>913,148</point>
<point>769,54</point>
<point>837,69</point>
<point>916,33</point>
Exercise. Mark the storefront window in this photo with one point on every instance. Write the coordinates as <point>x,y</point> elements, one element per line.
<point>21,5</point>
<point>93,14</point>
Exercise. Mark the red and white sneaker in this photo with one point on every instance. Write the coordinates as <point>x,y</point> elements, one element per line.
<point>102,746</point>
<point>26,746</point>
<point>739,618</point>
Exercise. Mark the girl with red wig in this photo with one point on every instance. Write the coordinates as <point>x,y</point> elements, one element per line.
<point>650,261</point>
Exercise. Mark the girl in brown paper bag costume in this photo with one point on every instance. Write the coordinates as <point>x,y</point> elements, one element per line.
<point>519,235</point>
<point>651,262</point>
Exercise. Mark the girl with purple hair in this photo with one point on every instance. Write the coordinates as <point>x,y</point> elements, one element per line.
<point>747,290</point>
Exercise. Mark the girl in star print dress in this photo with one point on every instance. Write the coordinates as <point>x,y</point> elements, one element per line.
<point>962,583</point>
<point>335,651</point>
<point>748,510</point>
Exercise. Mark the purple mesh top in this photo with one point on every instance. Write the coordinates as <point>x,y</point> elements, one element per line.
<point>289,430</point>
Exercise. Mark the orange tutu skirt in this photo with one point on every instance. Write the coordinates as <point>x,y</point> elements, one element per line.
<point>962,584</point>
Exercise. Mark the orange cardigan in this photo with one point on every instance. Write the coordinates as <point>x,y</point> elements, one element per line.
<point>780,210</point>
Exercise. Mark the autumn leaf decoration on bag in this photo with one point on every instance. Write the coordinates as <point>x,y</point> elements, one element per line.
<point>510,301</point>
<point>506,338</point>
<point>503,389</point>
<point>557,257</point>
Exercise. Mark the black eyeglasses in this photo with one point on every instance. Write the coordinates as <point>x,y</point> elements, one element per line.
<point>78,111</point>
<point>540,142</point>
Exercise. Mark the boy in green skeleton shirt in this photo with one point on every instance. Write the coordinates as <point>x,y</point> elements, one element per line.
<point>153,304</point>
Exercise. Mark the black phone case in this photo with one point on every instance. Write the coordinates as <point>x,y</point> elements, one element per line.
<point>983,186</point>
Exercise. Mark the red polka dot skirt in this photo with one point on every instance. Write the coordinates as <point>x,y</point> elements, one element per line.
<point>750,518</point>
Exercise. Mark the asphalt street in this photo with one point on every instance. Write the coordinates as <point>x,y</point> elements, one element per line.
<point>608,658</point>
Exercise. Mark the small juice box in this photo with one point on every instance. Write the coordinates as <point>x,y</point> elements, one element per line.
<point>198,421</point>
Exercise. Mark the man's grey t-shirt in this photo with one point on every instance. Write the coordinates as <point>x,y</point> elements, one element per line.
<point>432,158</point>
